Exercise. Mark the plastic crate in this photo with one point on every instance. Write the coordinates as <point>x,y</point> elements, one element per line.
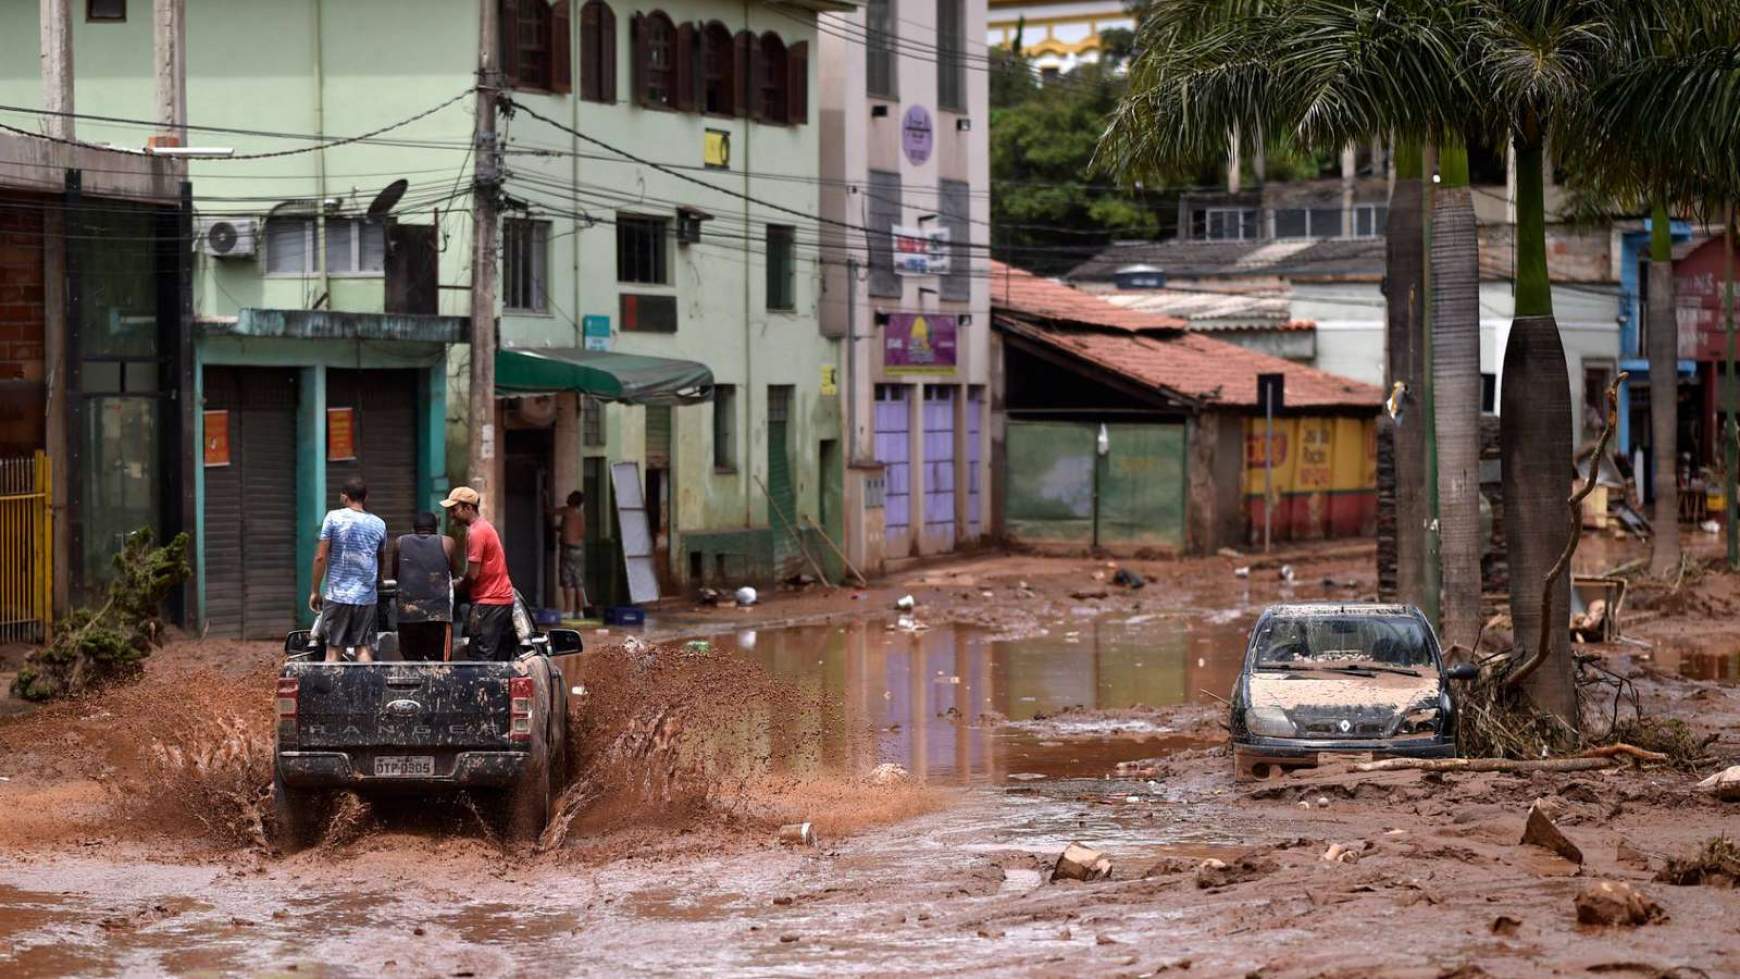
<point>624,615</point>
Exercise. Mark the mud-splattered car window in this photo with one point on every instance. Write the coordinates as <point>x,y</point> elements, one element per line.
<point>1328,641</point>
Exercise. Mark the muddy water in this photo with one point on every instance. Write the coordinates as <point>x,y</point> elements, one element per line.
<point>935,699</point>
<point>955,705</point>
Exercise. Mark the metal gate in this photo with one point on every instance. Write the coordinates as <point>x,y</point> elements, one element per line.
<point>939,463</point>
<point>26,550</point>
<point>1061,489</point>
<point>251,582</point>
<point>781,486</point>
<point>384,442</point>
<point>894,451</point>
<point>975,495</point>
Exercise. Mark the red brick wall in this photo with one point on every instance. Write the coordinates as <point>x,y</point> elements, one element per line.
<point>22,320</point>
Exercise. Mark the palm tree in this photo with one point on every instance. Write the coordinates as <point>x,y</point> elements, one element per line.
<point>1323,73</point>
<point>1456,393</point>
<point>1664,400</point>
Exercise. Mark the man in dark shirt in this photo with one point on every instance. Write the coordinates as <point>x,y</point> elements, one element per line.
<point>489,629</point>
<point>423,564</point>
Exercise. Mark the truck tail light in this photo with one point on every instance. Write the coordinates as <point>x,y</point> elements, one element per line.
<point>520,690</point>
<point>289,697</point>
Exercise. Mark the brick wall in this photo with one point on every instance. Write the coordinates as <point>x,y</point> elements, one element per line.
<point>22,320</point>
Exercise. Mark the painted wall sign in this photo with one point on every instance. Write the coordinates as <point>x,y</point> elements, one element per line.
<point>917,136</point>
<point>595,331</point>
<point>340,434</point>
<point>919,343</point>
<point>217,438</point>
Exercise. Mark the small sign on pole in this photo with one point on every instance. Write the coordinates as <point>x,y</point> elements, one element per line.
<point>1271,393</point>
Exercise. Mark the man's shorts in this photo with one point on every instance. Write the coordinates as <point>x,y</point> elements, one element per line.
<point>347,626</point>
<point>490,635</point>
<point>573,570</point>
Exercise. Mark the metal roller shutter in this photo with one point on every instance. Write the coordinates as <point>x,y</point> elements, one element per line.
<point>251,505</point>
<point>386,442</point>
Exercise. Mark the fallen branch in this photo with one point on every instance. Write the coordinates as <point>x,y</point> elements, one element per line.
<point>1548,629</point>
<point>1627,750</point>
<point>1488,764</point>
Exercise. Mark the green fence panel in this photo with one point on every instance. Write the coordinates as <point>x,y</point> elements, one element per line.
<point>1049,481</point>
<point>1142,486</point>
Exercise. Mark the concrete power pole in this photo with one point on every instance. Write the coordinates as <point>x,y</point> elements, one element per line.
<point>169,61</point>
<point>487,178</point>
<point>57,68</point>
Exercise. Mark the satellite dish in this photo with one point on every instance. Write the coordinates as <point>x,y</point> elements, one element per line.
<point>387,199</point>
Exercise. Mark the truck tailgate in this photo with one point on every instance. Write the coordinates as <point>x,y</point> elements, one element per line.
<point>454,706</point>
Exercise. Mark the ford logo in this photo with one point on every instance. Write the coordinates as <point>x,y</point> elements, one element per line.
<point>410,708</point>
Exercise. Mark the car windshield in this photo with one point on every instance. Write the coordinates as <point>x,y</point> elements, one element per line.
<point>1329,641</point>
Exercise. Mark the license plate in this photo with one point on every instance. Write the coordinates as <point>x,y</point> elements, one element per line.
<point>405,765</point>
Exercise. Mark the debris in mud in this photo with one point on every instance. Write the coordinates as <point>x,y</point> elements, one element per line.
<point>1338,853</point>
<point>1724,785</point>
<point>1541,831</point>
<point>1125,578</point>
<point>1505,926</point>
<point>1220,873</point>
<point>1616,904</point>
<point>888,773</point>
<point>1081,863</point>
<point>746,597</point>
<point>801,834</point>
<point>1242,572</point>
<point>1088,596</point>
<point>905,603</point>
<point>1630,856</point>
<point>1717,864</point>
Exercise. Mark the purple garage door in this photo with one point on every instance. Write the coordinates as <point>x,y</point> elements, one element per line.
<point>894,451</point>
<point>939,462</point>
<point>975,422</point>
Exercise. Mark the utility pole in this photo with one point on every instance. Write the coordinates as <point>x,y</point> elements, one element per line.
<point>486,184</point>
<point>169,62</point>
<point>57,68</point>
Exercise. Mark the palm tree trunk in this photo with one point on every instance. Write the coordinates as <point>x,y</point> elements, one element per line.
<point>1664,401</point>
<point>1405,268</point>
<point>1535,447</point>
<point>1456,394</point>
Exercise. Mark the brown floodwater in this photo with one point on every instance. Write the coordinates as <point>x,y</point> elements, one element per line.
<point>936,700</point>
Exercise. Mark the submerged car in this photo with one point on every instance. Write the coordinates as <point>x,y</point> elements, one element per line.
<point>1341,678</point>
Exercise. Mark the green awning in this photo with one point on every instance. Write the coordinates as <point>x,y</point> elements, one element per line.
<point>610,376</point>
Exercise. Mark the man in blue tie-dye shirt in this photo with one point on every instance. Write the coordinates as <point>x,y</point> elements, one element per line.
<point>348,560</point>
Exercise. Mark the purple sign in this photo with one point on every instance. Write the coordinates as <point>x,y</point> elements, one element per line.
<point>916,135</point>
<point>919,343</point>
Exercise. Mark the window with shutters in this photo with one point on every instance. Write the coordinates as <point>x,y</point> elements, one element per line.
<point>718,71</point>
<point>771,79</point>
<point>641,244</point>
<point>597,52</point>
<point>525,247</point>
<point>724,428</point>
<point>356,246</point>
<point>883,210</point>
<point>951,63</point>
<point>656,53</point>
<point>290,245</point>
<point>535,47</point>
<point>954,204</point>
<point>880,79</point>
<point>781,266</point>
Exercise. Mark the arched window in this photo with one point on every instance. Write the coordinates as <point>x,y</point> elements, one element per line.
<point>535,45</point>
<point>771,80</point>
<point>597,52</point>
<point>655,60</point>
<point>719,70</point>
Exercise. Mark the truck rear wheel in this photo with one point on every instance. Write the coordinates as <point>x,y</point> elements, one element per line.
<point>298,815</point>
<point>528,802</point>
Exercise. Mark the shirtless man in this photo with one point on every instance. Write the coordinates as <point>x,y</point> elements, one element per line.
<point>571,529</point>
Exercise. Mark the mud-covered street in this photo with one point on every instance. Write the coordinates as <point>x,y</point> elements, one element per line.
<point>1027,702</point>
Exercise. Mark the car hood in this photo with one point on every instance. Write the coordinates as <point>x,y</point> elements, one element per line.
<point>1319,701</point>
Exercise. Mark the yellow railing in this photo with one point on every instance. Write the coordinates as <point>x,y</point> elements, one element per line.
<point>26,550</point>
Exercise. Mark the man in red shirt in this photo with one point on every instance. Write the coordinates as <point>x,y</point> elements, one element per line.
<point>490,627</point>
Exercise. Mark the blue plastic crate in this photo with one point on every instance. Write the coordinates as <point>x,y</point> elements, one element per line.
<point>624,615</point>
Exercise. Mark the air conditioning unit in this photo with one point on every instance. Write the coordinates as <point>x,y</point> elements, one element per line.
<point>229,237</point>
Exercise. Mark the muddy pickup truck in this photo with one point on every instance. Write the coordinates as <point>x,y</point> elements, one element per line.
<point>496,729</point>
<point>1350,678</point>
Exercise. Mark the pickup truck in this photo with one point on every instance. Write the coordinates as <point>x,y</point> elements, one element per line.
<point>498,729</point>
